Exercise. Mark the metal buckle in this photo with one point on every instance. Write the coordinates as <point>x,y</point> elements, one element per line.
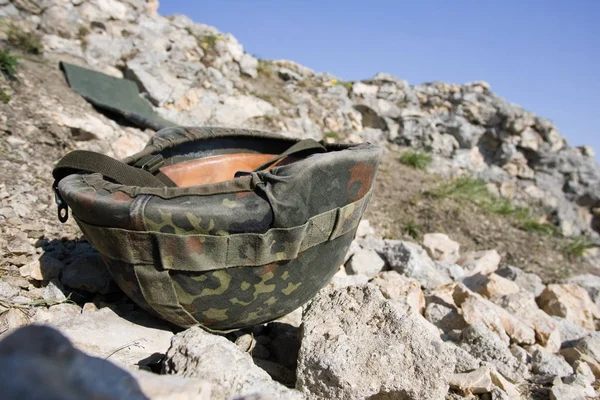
<point>151,164</point>
<point>63,209</point>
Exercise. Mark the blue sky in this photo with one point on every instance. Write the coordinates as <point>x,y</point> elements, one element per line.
<point>542,55</point>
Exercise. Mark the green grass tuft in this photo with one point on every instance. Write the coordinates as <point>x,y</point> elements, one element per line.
<point>539,228</point>
<point>8,64</point>
<point>476,191</point>
<point>332,135</point>
<point>503,206</point>
<point>577,246</point>
<point>210,40</point>
<point>263,96</point>
<point>462,188</point>
<point>4,97</point>
<point>346,84</point>
<point>29,42</point>
<point>265,68</point>
<point>412,229</point>
<point>82,33</point>
<point>416,159</point>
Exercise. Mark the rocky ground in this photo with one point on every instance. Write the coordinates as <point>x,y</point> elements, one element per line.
<point>477,276</point>
<point>477,219</point>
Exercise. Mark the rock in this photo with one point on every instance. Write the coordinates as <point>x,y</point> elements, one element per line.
<point>235,111</point>
<point>442,311</point>
<point>483,344</point>
<point>195,353</point>
<point>441,247</point>
<point>294,318</point>
<point>506,387</point>
<point>574,355</point>
<point>569,331</point>
<point>248,65</point>
<point>277,372</point>
<point>126,341</point>
<point>364,229</point>
<point>447,318</point>
<point>531,140</point>
<point>483,380</point>
<point>571,302</point>
<point>409,259</point>
<point>43,269</point>
<point>43,354</point>
<point>341,279</point>
<point>172,387</point>
<point>523,306</point>
<point>545,363</point>
<point>591,283</point>
<point>365,262</point>
<point>364,90</point>
<point>477,381</point>
<point>86,127</point>
<point>479,262</point>
<point>352,330</point>
<point>246,343</point>
<point>586,349</point>
<point>583,368</point>
<point>497,394</point>
<point>491,286</point>
<point>354,247</point>
<point>7,290</point>
<point>12,319</point>
<point>455,395</point>
<point>287,74</point>
<point>466,134</point>
<point>575,387</point>
<point>89,307</point>
<point>56,312</point>
<point>160,85</point>
<point>520,354</point>
<point>587,151</point>
<point>112,9</point>
<point>255,397</point>
<point>88,273</point>
<point>370,242</point>
<point>18,246</point>
<point>475,308</point>
<point>8,10</point>
<point>54,292</point>
<point>465,362</point>
<point>21,299</point>
<point>403,291</point>
<point>128,143</point>
<point>590,345</point>
<point>385,77</point>
<point>526,281</point>
<point>293,66</point>
<point>16,281</point>
<point>454,271</point>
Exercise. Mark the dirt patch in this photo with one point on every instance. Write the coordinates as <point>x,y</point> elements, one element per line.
<point>402,209</point>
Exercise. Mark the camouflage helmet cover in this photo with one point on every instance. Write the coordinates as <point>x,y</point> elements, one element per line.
<point>227,254</point>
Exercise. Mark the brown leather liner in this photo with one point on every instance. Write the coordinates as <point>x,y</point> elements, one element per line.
<point>214,169</point>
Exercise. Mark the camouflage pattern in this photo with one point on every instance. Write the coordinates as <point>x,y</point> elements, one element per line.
<point>231,254</point>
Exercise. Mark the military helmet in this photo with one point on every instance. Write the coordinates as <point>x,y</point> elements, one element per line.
<point>220,227</point>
